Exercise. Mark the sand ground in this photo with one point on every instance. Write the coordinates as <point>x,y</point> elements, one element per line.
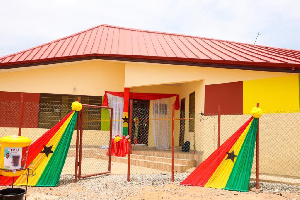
<point>174,191</point>
<point>169,191</point>
<point>93,188</point>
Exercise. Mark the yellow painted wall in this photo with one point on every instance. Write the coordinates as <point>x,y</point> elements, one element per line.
<point>199,88</point>
<point>279,94</point>
<point>89,78</point>
<point>143,74</point>
<point>185,90</point>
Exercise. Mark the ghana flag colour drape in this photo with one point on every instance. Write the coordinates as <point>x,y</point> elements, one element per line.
<point>47,155</point>
<point>229,167</point>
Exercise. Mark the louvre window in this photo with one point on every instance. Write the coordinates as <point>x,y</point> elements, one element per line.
<point>54,107</point>
<point>192,112</point>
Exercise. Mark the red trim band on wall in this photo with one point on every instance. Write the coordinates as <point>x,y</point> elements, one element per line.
<point>142,96</point>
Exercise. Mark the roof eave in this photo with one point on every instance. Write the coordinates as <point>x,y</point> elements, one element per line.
<point>257,66</point>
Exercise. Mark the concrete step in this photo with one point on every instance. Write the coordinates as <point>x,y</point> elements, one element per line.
<point>155,153</point>
<point>159,163</point>
<point>168,154</point>
<point>187,162</point>
<point>149,159</point>
<point>163,166</point>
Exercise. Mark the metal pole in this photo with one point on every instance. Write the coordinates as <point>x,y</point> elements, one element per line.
<point>194,145</point>
<point>27,182</point>
<point>110,138</point>
<point>257,153</point>
<point>80,141</point>
<point>173,138</point>
<point>219,125</point>
<point>129,133</point>
<point>77,141</point>
<point>21,113</point>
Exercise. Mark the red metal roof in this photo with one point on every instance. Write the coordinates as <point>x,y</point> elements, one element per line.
<point>110,42</point>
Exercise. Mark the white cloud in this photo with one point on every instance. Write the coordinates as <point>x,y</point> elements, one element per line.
<point>25,24</point>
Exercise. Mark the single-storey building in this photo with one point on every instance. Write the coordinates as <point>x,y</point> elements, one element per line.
<point>204,73</point>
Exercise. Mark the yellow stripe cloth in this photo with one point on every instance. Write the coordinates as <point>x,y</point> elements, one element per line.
<point>220,176</point>
<point>125,115</point>
<point>40,162</point>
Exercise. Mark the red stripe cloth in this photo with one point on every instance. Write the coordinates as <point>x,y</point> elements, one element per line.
<point>143,96</point>
<point>126,99</point>
<point>205,170</point>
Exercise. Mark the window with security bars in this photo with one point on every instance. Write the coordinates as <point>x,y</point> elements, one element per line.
<point>54,107</point>
<point>192,112</point>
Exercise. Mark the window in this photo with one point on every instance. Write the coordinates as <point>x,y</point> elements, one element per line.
<point>54,107</point>
<point>50,110</point>
<point>192,112</point>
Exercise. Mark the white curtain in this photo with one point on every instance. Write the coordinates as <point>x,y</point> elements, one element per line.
<point>117,103</point>
<point>161,111</point>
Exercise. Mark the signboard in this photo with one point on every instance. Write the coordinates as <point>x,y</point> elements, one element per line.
<point>13,157</point>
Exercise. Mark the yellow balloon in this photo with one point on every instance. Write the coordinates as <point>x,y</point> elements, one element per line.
<point>117,139</point>
<point>256,112</point>
<point>76,106</point>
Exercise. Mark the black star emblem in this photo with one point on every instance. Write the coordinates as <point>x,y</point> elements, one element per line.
<point>47,150</point>
<point>125,119</point>
<point>231,156</point>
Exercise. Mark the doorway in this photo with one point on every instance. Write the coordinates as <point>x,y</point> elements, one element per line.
<point>140,110</point>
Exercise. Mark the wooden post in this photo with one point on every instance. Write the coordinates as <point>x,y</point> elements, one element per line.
<point>219,126</point>
<point>129,133</point>
<point>173,138</point>
<point>21,113</point>
<point>257,154</point>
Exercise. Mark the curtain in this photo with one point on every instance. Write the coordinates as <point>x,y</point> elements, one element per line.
<point>161,122</point>
<point>117,103</point>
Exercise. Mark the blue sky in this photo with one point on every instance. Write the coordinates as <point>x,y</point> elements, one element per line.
<point>25,24</point>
